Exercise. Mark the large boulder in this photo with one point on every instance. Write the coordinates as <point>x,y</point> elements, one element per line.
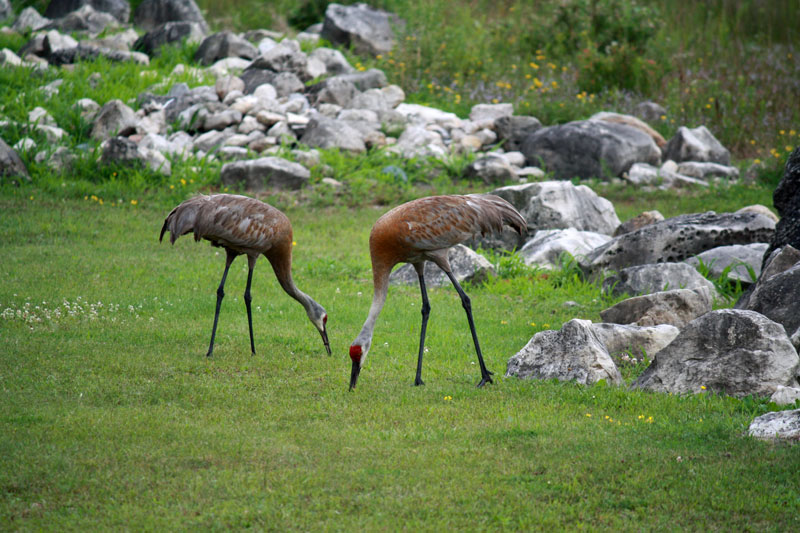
<point>783,425</point>
<point>365,29</point>
<point>729,351</point>
<point>547,247</point>
<point>696,144</point>
<point>737,259</point>
<point>647,279</point>
<point>265,173</point>
<point>589,149</point>
<point>114,118</point>
<point>636,340</point>
<point>676,307</point>
<point>221,45</point>
<point>786,199</point>
<point>573,353</point>
<point>633,122</point>
<point>168,33</point>
<point>86,19</point>
<point>151,14</point>
<point>29,20</point>
<point>513,130</point>
<point>467,266</point>
<point>324,132</point>
<point>679,238</point>
<point>11,165</point>
<point>119,9</point>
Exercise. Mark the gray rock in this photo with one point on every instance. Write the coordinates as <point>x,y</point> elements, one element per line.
<point>371,99</point>
<point>366,30</point>
<point>679,238</point>
<point>210,140</point>
<point>760,209</point>
<point>547,246</point>
<point>334,60</point>
<point>705,171</point>
<point>736,256</point>
<point>228,84</point>
<point>168,33</point>
<point>114,118</point>
<point>696,144</point>
<point>119,150</point>
<point>727,351</point>
<point>150,14</point>
<point>650,111</point>
<point>364,80</point>
<point>467,266</point>
<point>85,19</point>
<point>560,204</point>
<point>633,122</point>
<point>573,353</point>
<point>221,120</point>
<point>221,45</point>
<point>323,132</point>
<point>265,173</point>
<point>639,221</point>
<point>286,83</point>
<point>285,57</point>
<point>589,149</point>
<point>776,297</point>
<point>11,165</point>
<point>637,340</point>
<point>665,177</point>
<point>778,425</point>
<point>647,279</point>
<point>490,169</point>
<point>785,395</point>
<point>336,90</point>
<point>490,112</point>
<point>29,20</point>
<point>5,10</point>
<point>119,9</point>
<point>86,52</point>
<point>676,307</point>
<point>786,199</point>
<point>55,41</point>
<point>514,129</point>
<point>428,115</point>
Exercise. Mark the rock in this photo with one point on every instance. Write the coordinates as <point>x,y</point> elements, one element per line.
<point>85,19</point>
<point>11,165</point>
<point>150,14</point>
<point>467,266</point>
<point>775,294</point>
<point>786,199</point>
<point>650,112</point>
<point>29,20</point>
<point>334,60</point>
<point>739,257</point>
<point>481,113</point>
<point>210,140</point>
<point>123,151</point>
<point>560,204</point>
<point>222,45</point>
<point>26,144</point>
<point>705,171</point>
<point>728,351</point>
<point>39,115</point>
<point>647,279</point>
<point>168,33</point>
<point>679,238</point>
<point>760,209</point>
<point>323,132</point>
<point>119,9</point>
<point>676,307</point>
<point>371,99</point>
<point>265,173</point>
<point>85,52</point>
<point>360,27</point>
<point>639,341</point>
<point>285,57</point>
<point>514,129</point>
<point>632,121</point>
<point>573,353</point>
<point>6,12</point>
<point>589,149</point>
<point>9,58</point>
<point>428,115</point>
<point>639,221</point>
<point>286,83</point>
<point>490,169</point>
<point>697,144</point>
<point>778,425</point>
<point>664,177</point>
<point>114,118</point>
<point>221,120</point>
<point>546,247</point>
<point>785,395</point>
<point>228,84</point>
<point>417,141</point>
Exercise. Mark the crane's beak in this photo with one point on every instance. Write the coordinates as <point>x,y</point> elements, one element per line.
<point>324,334</point>
<point>354,374</point>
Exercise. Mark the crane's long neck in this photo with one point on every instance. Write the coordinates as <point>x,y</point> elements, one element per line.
<point>381,288</point>
<point>283,271</point>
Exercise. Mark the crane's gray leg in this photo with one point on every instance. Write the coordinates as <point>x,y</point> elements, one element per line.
<point>220,294</point>
<point>251,264</point>
<point>426,309</point>
<point>486,376</point>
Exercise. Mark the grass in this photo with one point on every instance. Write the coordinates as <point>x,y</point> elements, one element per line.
<point>119,421</point>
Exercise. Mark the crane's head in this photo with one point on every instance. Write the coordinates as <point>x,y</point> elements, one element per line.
<point>318,317</point>
<point>358,353</point>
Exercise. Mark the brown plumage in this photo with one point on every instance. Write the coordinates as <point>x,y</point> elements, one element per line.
<point>424,230</point>
<point>243,225</point>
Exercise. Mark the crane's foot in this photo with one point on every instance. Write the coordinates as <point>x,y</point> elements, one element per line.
<point>486,379</point>
<point>418,382</point>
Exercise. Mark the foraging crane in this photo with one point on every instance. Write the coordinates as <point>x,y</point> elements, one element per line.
<point>423,230</point>
<point>243,225</point>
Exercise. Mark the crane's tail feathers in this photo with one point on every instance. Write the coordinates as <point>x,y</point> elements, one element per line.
<point>181,220</point>
<point>503,213</point>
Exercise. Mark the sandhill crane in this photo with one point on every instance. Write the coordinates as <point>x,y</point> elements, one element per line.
<point>243,225</point>
<point>423,230</point>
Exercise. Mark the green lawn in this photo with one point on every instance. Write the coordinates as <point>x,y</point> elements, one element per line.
<point>114,418</point>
